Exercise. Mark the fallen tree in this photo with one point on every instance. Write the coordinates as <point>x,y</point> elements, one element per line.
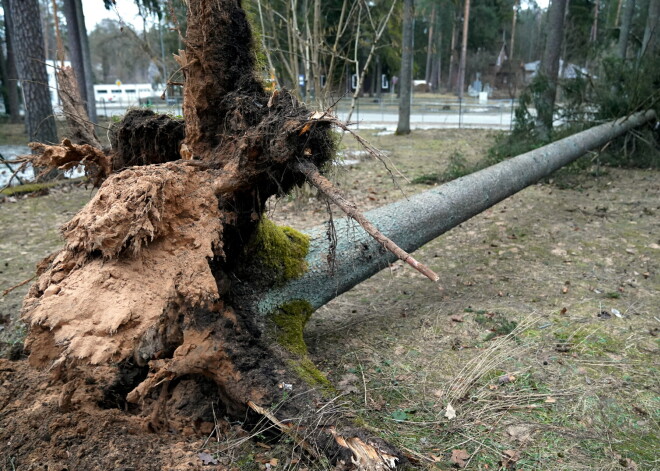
<point>414,221</point>
<point>174,295</point>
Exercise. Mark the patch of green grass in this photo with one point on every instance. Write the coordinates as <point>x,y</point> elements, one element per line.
<point>427,179</point>
<point>589,342</point>
<point>457,167</point>
<point>496,323</point>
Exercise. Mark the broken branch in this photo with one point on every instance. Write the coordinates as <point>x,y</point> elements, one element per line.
<point>327,188</point>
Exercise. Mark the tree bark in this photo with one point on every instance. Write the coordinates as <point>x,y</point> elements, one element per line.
<point>414,221</point>
<point>452,55</point>
<point>75,46</point>
<point>27,40</point>
<point>624,31</point>
<point>12,105</point>
<point>405,81</point>
<point>87,62</point>
<point>548,73</point>
<point>593,36</point>
<point>429,47</point>
<point>80,54</point>
<point>652,30</point>
<point>463,63</point>
<point>4,80</point>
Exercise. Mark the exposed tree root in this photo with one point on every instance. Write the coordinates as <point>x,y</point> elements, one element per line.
<point>68,155</point>
<point>142,296</point>
<point>81,129</point>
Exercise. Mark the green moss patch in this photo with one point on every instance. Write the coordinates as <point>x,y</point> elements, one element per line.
<point>27,188</point>
<point>290,320</point>
<point>310,374</point>
<point>281,249</point>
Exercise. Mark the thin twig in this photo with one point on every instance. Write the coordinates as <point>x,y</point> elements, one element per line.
<point>364,381</point>
<point>284,428</point>
<point>24,282</point>
<point>327,188</point>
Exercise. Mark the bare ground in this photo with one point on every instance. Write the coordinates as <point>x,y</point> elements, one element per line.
<point>572,385</point>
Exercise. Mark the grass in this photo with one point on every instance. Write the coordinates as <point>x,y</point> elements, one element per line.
<point>12,134</point>
<point>457,167</point>
<point>566,390</point>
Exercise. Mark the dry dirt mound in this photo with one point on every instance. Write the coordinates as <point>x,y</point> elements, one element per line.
<point>41,428</point>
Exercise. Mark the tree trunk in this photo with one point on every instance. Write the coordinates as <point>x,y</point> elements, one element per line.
<point>652,30</point>
<point>549,69</point>
<point>75,46</point>
<point>430,48</point>
<point>379,78</point>
<point>624,31</point>
<point>513,68</point>
<point>87,62</point>
<point>452,56</point>
<point>593,36</point>
<point>436,68</point>
<point>418,219</point>
<point>4,80</point>
<point>405,81</point>
<point>28,44</point>
<point>513,32</point>
<point>12,105</point>
<point>462,64</point>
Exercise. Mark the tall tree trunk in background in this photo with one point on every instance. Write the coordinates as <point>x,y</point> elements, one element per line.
<point>452,56</point>
<point>379,77</point>
<point>3,79</point>
<point>436,67</point>
<point>75,48</point>
<point>513,68</point>
<point>624,32</point>
<point>405,82</point>
<point>549,69</point>
<point>12,104</point>
<point>430,48</point>
<point>513,31</point>
<point>618,13</point>
<point>652,30</point>
<point>593,37</point>
<point>462,64</point>
<point>87,62</point>
<point>79,52</point>
<point>27,39</point>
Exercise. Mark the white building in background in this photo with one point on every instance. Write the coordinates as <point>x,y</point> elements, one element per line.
<point>120,94</point>
<point>124,94</point>
<point>566,71</point>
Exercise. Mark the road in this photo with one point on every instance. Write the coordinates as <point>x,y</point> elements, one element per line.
<point>424,115</point>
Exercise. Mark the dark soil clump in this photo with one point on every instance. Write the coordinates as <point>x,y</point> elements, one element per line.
<point>143,138</point>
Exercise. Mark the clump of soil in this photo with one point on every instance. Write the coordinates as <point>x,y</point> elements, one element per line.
<point>143,137</point>
<point>138,308</point>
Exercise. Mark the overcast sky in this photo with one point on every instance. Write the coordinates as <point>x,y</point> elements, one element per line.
<point>128,12</point>
<point>95,12</point>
